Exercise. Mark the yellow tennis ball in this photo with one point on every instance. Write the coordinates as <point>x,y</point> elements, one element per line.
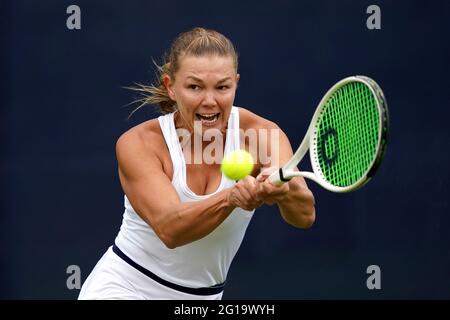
<point>237,164</point>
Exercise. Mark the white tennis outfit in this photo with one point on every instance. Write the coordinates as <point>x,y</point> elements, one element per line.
<point>140,266</point>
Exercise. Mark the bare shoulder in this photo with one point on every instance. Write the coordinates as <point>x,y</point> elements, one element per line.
<point>250,119</point>
<point>141,141</point>
<point>269,144</point>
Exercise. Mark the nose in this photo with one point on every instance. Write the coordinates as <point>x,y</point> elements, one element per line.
<point>209,99</point>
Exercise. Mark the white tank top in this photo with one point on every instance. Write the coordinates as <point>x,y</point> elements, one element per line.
<point>201,263</point>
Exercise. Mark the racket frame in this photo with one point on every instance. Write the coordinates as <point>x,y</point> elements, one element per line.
<point>287,172</point>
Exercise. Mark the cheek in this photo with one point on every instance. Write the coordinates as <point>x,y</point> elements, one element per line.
<point>188,98</point>
<point>227,97</point>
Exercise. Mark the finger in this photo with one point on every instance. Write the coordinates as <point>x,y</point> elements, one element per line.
<point>275,190</point>
<point>272,194</point>
<point>241,204</point>
<point>238,199</point>
<point>268,171</point>
<point>268,188</point>
<point>265,173</point>
<point>244,192</point>
<point>249,181</point>
<point>246,204</point>
<point>261,194</point>
<point>252,187</point>
<point>250,184</point>
<point>261,178</point>
<point>249,190</point>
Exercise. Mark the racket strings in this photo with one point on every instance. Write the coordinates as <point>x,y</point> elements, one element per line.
<point>347,136</point>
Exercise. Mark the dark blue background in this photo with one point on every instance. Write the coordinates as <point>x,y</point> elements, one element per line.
<point>63,106</point>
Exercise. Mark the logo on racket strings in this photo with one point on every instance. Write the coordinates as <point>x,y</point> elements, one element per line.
<point>329,147</point>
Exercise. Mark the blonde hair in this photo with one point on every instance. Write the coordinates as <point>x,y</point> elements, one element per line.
<point>196,42</point>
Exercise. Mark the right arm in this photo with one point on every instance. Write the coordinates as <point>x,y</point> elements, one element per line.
<point>153,197</point>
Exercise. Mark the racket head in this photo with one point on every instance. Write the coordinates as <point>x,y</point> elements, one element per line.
<point>348,134</point>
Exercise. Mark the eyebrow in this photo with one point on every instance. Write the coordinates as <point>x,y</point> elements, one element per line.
<point>200,80</point>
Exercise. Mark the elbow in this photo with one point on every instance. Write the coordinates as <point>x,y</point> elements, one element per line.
<point>170,245</point>
<point>309,212</point>
<point>172,239</point>
<point>166,237</point>
<point>168,240</point>
<point>308,219</point>
<point>307,216</point>
<point>170,233</point>
<point>303,220</point>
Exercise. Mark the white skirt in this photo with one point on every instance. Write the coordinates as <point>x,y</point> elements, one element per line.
<point>114,279</point>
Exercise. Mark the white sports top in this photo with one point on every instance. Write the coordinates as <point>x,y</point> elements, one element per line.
<point>201,263</point>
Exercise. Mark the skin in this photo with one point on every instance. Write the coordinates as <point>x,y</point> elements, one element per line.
<point>203,85</point>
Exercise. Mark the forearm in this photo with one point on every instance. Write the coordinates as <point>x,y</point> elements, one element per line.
<point>297,207</point>
<point>190,221</point>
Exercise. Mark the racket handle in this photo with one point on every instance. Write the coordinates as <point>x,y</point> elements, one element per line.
<point>277,177</point>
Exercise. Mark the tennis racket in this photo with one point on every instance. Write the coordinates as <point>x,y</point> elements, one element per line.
<point>346,138</point>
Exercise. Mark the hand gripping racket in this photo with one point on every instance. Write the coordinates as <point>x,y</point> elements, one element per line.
<point>346,137</point>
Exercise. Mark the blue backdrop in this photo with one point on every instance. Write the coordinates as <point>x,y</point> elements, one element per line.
<point>63,106</point>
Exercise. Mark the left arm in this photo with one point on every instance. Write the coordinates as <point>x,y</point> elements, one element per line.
<point>294,199</point>
<point>297,206</point>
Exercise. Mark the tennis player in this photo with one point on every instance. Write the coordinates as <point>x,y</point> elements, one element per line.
<point>184,221</point>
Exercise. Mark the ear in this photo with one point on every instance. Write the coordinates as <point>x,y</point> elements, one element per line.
<point>168,83</point>
<point>238,76</point>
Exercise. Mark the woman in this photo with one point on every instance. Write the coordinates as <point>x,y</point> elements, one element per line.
<point>184,221</point>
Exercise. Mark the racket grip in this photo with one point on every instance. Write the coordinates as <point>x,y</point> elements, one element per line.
<point>277,177</point>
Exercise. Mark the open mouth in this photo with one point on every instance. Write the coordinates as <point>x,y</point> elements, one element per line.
<point>207,119</point>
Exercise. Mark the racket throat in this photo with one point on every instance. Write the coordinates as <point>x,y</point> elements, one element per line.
<point>287,175</point>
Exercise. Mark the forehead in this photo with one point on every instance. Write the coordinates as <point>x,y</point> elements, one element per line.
<point>209,65</point>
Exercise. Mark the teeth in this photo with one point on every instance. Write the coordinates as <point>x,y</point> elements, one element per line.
<point>208,117</point>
